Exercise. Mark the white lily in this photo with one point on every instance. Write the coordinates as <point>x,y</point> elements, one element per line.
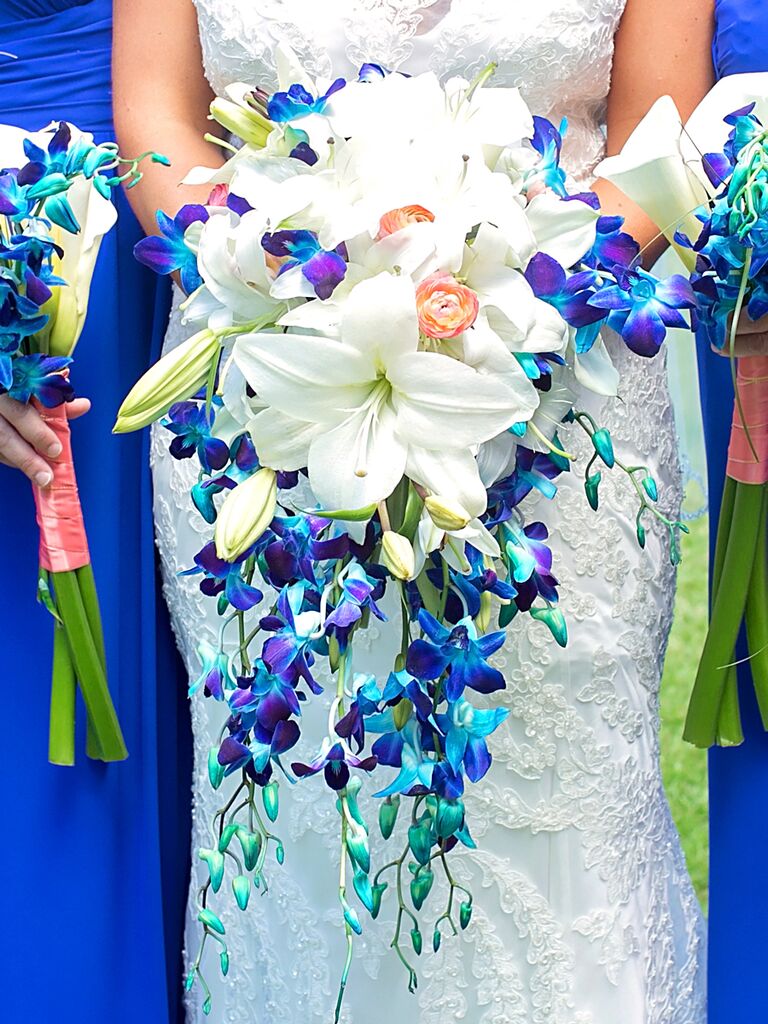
<point>452,543</point>
<point>360,411</point>
<point>652,171</point>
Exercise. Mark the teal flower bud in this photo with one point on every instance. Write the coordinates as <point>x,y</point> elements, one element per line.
<point>364,889</point>
<point>591,485</point>
<point>357,845</point>
<point>465,913</point>
<point>450,817</point>
<point>250,843</point>
<point>601,439</point>
<point>420,842</point>
<point>271,798</point>
<point>189,981</point>
<point>650,488</point>
<point>280,853</point>
<point>554,620</point>
<point>224,958</point>
<point>215,770</point>
<point>377,891</point>
<point>640,534</point>
<point>241,886</point>
<point>388,815</point>
<point>416,941</point>
<point>421,884</point>
<point>227,836</point>
<point>207,1005</point>
<point>209,919</point>
<point>215,862</point>
<point>436,939</point>
<point>350,916</point>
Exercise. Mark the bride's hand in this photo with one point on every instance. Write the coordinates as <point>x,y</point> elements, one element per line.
<point>26,442</point>
<point>751,338</point>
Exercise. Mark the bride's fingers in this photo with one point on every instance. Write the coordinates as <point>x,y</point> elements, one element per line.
<point>78,407</point>
<point>747,344</point>
<point>16,452</point>
<point>27,422</point>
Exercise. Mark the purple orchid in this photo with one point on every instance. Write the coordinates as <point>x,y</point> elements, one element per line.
<point>225,578</point>
<point>168,252</point>
<point>569,294</point>
<point>297,102</point>
<point>297,547</point>
<point>335,761</point>
<point>459,652</point>
<point>41,377</point>
<point>191,422</point>
<point>465,729</point>
<point>322,269</point>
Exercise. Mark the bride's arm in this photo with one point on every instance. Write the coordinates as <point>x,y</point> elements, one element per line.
<point>662,47</point>
<point>161,100</point>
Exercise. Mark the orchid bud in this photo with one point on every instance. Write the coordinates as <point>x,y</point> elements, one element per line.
<point>175,377</point>
<point>362,886</point>
<point>601,439</point>
<point>357,844</point>
<point>247,124</point>
<point>208,918</point>
<point>650,488</point>
<point>350,916</point>
<point>388,815</point>
<point>450,817</point>
<point>421,885</point>
<point>270,797</point>
<point>416,941</point>
<point>377,893</point>
<point>591,485</point>
<point>436,940</point>
<point>227,836</point>
<point>397,555</point>
<point>224,961</point>
<point>241,886</point>
<point>215,770</point>
<point>420,842</point>
<point>250,843</point>
<point>554,620</point>
<point>465,914</point>
<point>446,513</point>
<point>215,861</point>
<point>245,515</point>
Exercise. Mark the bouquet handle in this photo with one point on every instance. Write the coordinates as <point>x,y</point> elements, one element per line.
<point>78,642</point>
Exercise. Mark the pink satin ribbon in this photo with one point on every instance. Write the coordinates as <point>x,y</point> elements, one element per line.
<point>63,543</point>
<point>752,383</point>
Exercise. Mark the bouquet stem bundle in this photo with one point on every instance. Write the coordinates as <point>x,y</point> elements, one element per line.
<point>67,580</point>
<point>740,572</point>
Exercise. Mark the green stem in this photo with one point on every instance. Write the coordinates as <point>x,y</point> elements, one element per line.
<point>87,585</point>
<point>757,615</point>
<point>729,731</point>
<point>61,734</point>
<point>701,725</point>
<point>87,661</point>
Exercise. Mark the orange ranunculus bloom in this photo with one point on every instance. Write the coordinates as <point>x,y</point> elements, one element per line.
<point>400,218</point>
<point>446,307</point>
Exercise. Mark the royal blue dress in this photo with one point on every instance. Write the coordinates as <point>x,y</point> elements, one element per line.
<point>738,788</point>
<point>93,857</point>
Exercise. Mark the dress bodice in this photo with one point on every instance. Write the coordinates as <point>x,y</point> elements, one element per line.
<point>558,52</point>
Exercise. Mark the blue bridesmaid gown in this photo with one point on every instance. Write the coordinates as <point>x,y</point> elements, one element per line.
<point>93,857</point>
<point>738,788</point>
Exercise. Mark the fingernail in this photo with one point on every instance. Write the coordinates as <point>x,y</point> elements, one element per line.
<point>54,450</point>
<point>43,478</point>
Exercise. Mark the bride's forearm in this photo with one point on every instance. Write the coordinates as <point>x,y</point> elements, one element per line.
<point>613,202</point>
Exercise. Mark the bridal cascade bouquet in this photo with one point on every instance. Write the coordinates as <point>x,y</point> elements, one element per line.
<point>55,208</point>
<point>714,178</point>
<point>392,297</point>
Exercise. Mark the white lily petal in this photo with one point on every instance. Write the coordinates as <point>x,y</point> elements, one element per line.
<point>450,473</point>
<point>496,458</point>
<point>706,131</point>
<point>564,230</point>
<point>281,441</point>
<point>380,317</point>
<point>480,537</point>
<point>595,371</point>
<point>338,458</point>
<point>444,403</point>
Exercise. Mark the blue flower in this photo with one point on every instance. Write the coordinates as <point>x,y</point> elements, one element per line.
<point>297,547</point>
<point>41,377</point>
<point>216,674</point>
<point>255,752</point>
<point>322,269</point>
<point>403,749</point>
<point>530,563</point>
<point>548,143</point>
<point>357,593</point>
<point>225,579</point>
<point>289,653</point>
<point>334,760</point>
<point>533,471</point>
<point>570,295</point>
<point>191,424</point>
<point>20,318</point>
<point>264,698</point>
<point>612,246</point>
<point>641,307</point>
<point>465,728</point>
<point>297,102</point>
<point>459,652</point>
<point>168,252</point>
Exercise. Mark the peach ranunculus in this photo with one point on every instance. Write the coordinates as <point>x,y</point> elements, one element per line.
<point>218,196</point>
<point>396,220</point>
<point>446,307</point>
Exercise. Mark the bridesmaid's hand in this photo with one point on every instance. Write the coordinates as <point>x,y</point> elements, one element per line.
<point>25,440</point>
<point>751,338</point>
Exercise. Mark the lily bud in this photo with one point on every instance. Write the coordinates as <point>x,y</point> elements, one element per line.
<point>246,123</point>
<point>397,555</point>
<point>446,513</point>
<point>178,375</point>
<point>246,513</point>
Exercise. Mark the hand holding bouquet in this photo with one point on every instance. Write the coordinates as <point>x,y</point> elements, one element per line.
<point>394,301</point>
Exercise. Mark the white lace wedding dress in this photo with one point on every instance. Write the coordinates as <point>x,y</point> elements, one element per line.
<point>584,910</point>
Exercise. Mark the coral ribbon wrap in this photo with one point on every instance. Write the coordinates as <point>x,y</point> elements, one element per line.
<point>752,383</point>
<point>63,543</point>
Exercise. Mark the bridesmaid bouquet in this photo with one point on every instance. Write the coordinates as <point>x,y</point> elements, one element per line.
<point>55,204</point>
<point>706,187</point>
<point>392,299</point>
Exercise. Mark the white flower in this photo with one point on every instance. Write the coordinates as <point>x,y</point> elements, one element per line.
<point>362,411</point>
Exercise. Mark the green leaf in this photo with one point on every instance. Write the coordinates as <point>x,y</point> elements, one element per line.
<point>349,515</point>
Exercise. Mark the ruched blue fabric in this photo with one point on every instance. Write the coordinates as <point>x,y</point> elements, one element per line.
<point>92,858</point>
<point>738,788</point>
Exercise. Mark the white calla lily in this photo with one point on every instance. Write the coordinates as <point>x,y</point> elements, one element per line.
<point>706,131</point>
<point>372,402</point>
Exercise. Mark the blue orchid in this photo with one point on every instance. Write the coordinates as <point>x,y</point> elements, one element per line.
<point>530,562</point>
<point>264,698</point>
<point>255,752</point>
<point>641,308</point>
<point>459,652</point>
<point>225,579</point>
<point>20,318</point>
<point>466,728</point>
<point>41,377</point>
<point>570,295</point>
<point>323,270</point>
<point>216,675</point>
<point>296,548</point>
<point>358,592</point>
<point>168,252</point>
<point>402,748</point>
<point>548,143</point>
<point>243,462</point>
<point>533,471</point>
<point>290,652</point>
<point>612,246</point>
<point>191,422</point>
<point>335,760</point>
<point>297,102</point>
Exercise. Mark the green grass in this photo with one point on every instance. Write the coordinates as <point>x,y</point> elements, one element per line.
<point>684,767</point>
